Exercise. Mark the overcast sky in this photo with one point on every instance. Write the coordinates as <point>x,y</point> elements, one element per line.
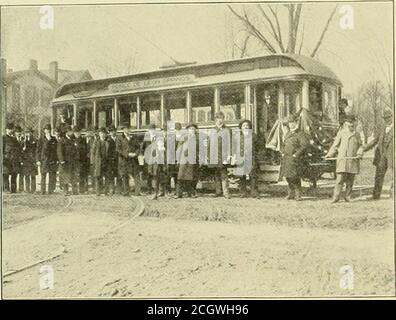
<point>101,38</point>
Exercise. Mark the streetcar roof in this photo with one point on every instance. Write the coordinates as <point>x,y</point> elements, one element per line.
<point>199,75</point>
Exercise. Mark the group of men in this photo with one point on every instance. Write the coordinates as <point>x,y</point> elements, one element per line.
<point>113,160</point>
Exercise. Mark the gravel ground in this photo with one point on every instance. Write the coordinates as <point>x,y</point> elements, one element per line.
<point>204,247</point>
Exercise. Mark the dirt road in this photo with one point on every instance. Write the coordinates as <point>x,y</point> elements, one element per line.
<point>204,247</point>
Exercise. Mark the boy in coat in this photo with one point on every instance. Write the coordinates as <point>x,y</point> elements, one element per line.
<point>83,160</point>
<point>293,148</point>
<point>10,158</point>
<point>347,146</point>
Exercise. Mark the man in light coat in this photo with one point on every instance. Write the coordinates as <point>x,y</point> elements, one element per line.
<point>347,146</point>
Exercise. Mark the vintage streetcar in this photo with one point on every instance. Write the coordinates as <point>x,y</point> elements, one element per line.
<point>263,89</point>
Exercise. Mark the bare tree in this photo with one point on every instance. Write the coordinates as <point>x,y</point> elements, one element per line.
<point>371,98</point>
<point>110,66</point>
<point>268,29</point>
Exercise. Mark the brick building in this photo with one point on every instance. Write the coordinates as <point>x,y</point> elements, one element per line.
<point>26,95</point>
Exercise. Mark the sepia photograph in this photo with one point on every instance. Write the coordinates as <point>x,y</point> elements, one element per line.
<point>197,150</point>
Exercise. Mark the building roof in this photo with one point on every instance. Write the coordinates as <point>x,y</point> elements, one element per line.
<point>298,66</point>
<point>64,76</point>
<point>69,76</point>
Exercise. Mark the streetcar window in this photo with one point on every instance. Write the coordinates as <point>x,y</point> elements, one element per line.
<point>329,103</point>
<point>292,97</point>
<point>315,98</point>
<point>105,114</point>
<point>151,110</point>
<point>202,104</point>
<point>175,106</point>
<point>85,115</point>
<point>127,108</point>
<point>232,103</point>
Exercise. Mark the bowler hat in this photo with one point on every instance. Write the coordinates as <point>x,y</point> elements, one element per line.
<point>192,125</point>
<point>10,126</point>
<point>47,127</point>
<point>29,129</point>
<point>76,129</point>
<point>245,121</point>
<point>102,129</point>
<point>112,129</point>
<point>219,115</point>
<point>18,129</point>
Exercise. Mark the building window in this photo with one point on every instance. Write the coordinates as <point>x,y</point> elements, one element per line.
<point>292,97</point>
<point>31,98</point>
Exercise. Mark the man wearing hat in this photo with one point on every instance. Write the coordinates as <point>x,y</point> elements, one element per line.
<point>100,160</point>
<point>112,168</point>
<point>128,149</point>
<point>18,133</point>
<point>83,160</point>
<point>384,153</point>
<point>47,160</point>
<point>188,173</point>
<point>68,157</point>
<point>347,146</point>
<point>293,148</point>
<point>173,169</point>
<point>218,159</point>
<point>10,158</point>
<point>29,168</point>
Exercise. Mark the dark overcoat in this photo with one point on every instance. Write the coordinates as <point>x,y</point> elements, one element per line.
<point>188,163</point>
<point>47,154</point>
<point>29,167</point>
<point>384,152</point>
<point>124,146</point>
<point>10,155</point>
<point>68,153</point>
<point>112,167</point>
<point>293,148</point>
<point>99,161</point>
<point>83,155</point>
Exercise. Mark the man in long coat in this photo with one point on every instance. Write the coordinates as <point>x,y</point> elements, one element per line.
<point>68,157</point>
<point>112,169</point>
<point>221,155</point>
<point>128,149</point>
<point>29,168</point>
<point>293,148</point>
<point>99,161</point>
<point>10,159</point>
<point>188,173</point>
<point>18,165</point>
<point>384,153</point>
<point>347,146</point>
<point>83,160</point>
<point>47,160</point>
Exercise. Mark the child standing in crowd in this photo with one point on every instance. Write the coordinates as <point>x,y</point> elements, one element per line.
<point>347,146</point>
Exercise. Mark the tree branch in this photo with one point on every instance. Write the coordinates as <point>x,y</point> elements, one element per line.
<point>323,32</point>
<point>273,30</point>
